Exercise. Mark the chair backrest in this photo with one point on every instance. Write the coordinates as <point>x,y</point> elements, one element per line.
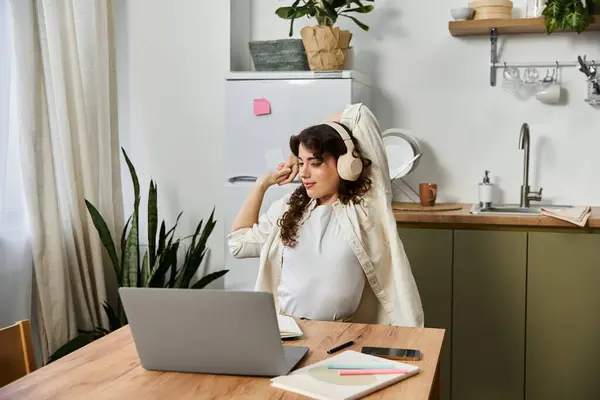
<point>16,352</point>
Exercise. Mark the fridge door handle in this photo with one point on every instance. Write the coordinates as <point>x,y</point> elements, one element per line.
<point>242,178</point>
<point>248,178</point>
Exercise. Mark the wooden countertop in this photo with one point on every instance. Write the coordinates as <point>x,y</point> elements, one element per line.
<point>109,368</point>
<point>464,217</point>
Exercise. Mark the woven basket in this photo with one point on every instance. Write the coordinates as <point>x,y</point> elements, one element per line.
<point>326,47</point>
<point>492,9</point>
<point>279,55</point>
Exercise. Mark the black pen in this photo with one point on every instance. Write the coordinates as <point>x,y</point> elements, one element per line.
<point>340,347</point>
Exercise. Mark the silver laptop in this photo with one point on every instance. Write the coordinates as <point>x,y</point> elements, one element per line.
<point>208,331</point>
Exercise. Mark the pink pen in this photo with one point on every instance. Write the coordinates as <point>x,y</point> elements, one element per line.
<point>372,371</point>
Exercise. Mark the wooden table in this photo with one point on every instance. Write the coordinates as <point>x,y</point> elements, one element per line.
<point>110,369</point>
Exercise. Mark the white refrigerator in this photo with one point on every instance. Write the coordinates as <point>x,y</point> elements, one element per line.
<point>263,109</point>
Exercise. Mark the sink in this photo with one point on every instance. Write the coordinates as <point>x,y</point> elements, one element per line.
<point>526,196</point>
<point>515,209</point>
<point>510,210</point>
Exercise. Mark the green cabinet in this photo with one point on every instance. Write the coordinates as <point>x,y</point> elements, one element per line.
<point>488,312</point>
<point>563,316</point>
<point>430,254</point>
<point>521,310</point>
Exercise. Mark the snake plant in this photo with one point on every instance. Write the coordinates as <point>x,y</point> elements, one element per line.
<point>159,266</point>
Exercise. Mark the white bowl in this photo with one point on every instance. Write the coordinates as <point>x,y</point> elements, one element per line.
<point>462,13</point>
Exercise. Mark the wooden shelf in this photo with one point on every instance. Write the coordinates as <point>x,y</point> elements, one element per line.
<point>505,26</point>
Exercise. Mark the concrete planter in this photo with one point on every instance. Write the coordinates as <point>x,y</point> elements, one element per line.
<point>279,55</point>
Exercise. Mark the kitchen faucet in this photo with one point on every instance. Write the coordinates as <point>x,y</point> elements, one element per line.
<point>526,194</point>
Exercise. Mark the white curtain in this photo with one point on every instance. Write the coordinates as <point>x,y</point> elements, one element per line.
<point>65,99</point>
<point>16,268</point>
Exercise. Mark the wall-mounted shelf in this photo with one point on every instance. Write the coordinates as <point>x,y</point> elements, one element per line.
<point>505,26</point>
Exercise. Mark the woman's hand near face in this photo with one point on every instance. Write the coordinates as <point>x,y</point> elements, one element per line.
<point>292,164</point>
<point>278,176</point>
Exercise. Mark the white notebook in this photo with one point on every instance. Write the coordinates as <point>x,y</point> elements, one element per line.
<point>288,328</point>
<point>319,382</point>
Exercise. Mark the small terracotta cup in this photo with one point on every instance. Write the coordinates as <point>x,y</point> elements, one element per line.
<point>428,194</point>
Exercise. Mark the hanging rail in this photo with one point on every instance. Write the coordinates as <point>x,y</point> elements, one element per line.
<point>495,64</point>
<point>555,64</point>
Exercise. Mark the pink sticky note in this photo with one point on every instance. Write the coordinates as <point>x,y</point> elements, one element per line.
<point>262,107</point>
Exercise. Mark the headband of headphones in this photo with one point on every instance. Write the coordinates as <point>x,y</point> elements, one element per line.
<point>342,132</point>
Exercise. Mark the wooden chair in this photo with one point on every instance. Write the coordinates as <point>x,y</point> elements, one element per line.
<point>16,352</point>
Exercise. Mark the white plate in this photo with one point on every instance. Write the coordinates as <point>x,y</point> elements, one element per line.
<point>401,147</point>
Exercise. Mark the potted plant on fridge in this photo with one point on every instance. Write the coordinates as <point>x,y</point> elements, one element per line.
<point>326,44</point>
<point>562,15</point>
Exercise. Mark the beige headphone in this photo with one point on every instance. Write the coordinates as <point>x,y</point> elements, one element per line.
<point>349,167</point>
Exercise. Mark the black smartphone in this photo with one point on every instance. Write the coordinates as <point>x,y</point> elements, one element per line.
<point>393,354</point>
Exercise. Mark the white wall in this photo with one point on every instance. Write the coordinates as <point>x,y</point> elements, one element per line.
<point>438,86</point>
<point>241,26</point>
<point>172,59</point>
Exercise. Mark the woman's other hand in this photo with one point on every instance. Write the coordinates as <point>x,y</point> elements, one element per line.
<point>337,117</point>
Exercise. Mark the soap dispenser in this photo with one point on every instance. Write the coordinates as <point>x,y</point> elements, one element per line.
<point>485,191</point>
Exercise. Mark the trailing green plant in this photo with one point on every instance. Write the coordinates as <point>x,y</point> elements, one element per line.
<point>159,266</point>
<point>326,12</point>
<point>563,15</point>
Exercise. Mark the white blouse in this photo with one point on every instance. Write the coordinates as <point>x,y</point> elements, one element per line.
<point>321,277</point>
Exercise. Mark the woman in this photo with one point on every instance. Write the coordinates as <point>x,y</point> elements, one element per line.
<point>330,250</point>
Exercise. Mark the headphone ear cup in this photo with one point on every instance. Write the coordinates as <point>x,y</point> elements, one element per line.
<point>356,166</point>
<point>349,167</point>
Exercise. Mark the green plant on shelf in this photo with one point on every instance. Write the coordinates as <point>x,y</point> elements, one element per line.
<point>562,15</point>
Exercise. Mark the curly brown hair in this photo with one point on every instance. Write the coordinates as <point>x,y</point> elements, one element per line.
<point>321,139</point>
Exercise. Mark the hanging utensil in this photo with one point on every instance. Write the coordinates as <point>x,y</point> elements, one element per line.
<point>596,86</point>
<point>592,70</point>
<point>583,66</point>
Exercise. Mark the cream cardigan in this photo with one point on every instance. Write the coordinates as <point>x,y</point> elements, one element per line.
<point>391,296</point>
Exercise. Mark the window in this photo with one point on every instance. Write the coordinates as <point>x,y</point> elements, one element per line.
<point>5,60</point>
<point>16,269</point>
